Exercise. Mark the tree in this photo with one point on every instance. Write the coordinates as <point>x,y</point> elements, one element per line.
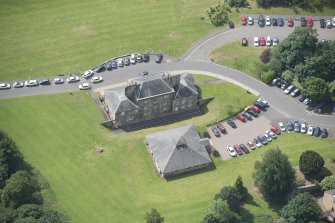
<point>219,14</point>
<point>219,212</point>
<point>315,89</point>
<point>301,209</point>
<point>332,90</point>
<point>231,196</point>
<point>19,190</point>
<point>263,218</point>
<point>241,190</point>
<point>265,55</point>
<point>310,163</point>
<point>288,76</point>
<point>328,183</point>
<point>154,217</point>
<point>237,3</point>
<point>267,76</point>
<point>7,215</point>
<point>274,175</point>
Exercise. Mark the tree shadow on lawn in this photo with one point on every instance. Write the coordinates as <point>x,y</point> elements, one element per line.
<point>193,173</point>
<point>246,216</point>
<point>250,200</point>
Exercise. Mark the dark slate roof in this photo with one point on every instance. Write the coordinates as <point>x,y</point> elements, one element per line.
<point>177,149</point>
<point>186,87</point>
<point>152,88</point>
<point>118,102</point>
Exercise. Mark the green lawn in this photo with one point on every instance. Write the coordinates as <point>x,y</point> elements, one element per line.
<point>57,135</point>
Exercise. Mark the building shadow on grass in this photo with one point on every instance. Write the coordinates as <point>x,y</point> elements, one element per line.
<point>190,174</point>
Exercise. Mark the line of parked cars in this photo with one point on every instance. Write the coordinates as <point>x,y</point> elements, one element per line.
<point>262,41</point>
<point>303,128</point>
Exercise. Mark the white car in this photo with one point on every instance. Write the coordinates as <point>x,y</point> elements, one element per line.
<point>257,143</point>
<point>250,20</point>
<point>272,134</point>
<point>84,86</point>
<point>268,138</point>
<point>18,84</point>
<point>281,127</point>
<point>133,59</point>
<point>289,89</point>
<point>303,128</point>
<point>231,151</point>
<point>310,130</point>
<point>263,101</point>
<point>96,79</point>
<point>275,41</point>
<point>72,79</point>
<point>31,83</point>
<point>333,21</point>
<point>120,62</point>
<point>4,86</point>
<point>268,41</point>
<point>256,41</point>
<point>88,74</point>
<point>328,24</point>
<point>306,101</point>
<point>267,21</point>
<point>58,80</point>
<point>295,92</point>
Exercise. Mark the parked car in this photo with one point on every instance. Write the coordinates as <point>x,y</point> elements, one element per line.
<point>114,64</point>
<point>243,20</point>
<point>274,22</point>
<point>328,24</point>
<point>275,81</point>
<point>296,126</point>
<point>256,41</point>
<point>317,132</point>
<point>4,86</point>
<point>139,58</point>
<point>260,105</point>
<point>238,150</point>
<point>244,148</point>
<point>267,21</point>
<point>271,134</point>
<point>244,42</point>
<point>96,79</point>
<point>289,89</point>
<point>18,84</point>
<point>303,128</point>
<point>255,108</point>
<point>143,73</point>
<point>261,21</point>
<point>215,131</point>
<point>333,22</point>
<point>44,82</point>
<point>126,61</point>
<point>268,41</point>
<point>84,86</point>
<point>31,83</point>
<point>268,138</point>
<point>290,22</point>
<point>302,98</point>
<point>295,92</point>
<point>252,112</point>
<point>290,126</point>
<point>100,68</point>
<point>241,118</point>
<point>262,41</point>
<point>264,102</point>
<point>251,145</point>
<point>250,21</point>
<point>120,62</point>
<point>303,21</point>
<point>281,127</point>
<point>88,74</point>
<point>309,22</point>
<point>221,128</point>
<point>231,151</point>
<point>146,57</point>
<point>263,139</point>
<point>231,25</point>
<point>231,123</point>
<point>322,23</point>
<point>257,142</point>
<point>72,79</point>
<point>275,41</point>
<point>306,101</point>
<point>133,58</point>
<point>324,133</point>
<point>279,83</point>
<point>58,80</point>
<point>281,22</point>
<point>275,130</point>
<point>109,65</point>
<point>247,115</point>
<point>159,58</point>
<point>283,85</point>
<point>310,130</point>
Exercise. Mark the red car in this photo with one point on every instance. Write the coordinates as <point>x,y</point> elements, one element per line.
<point>241,117</point>
<point>255,108</point>
<point>262,41</point>
<point>309,22</point>
<point>275,130</point>
<point>238,150</point>
<point>290,22</point>
<point>221,128</point>
<point>243,20</point>
<point>244,42</point>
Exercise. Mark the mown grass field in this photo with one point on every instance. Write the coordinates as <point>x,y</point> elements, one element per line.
<point>58,134</point>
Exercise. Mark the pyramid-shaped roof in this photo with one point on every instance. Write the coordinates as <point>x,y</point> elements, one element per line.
<point>118,102</point>
<point>186,87</point>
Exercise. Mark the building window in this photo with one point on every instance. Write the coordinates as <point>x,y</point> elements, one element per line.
<point>164,103</point>
<point>122,113</point>
<point>131,117</point>
<point>183,102</point>
<point>176,108</point>
<point>189,105</point>
<point>183,106</point>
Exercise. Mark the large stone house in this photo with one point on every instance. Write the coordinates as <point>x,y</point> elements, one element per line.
<point>151,97</point>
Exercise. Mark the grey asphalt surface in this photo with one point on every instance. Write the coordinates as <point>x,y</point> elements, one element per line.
<point>197,62</point>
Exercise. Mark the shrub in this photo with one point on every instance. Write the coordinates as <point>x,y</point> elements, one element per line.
<point>265,56</point>
<point>328,183</point>
<point>310,163</point>
<point>218,14</point>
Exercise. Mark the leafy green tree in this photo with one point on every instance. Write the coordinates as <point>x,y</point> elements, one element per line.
<point>274,175</point>
<point>316,89</point>
<point>50,216</point>
<point>298,46</point>
<point>241,190</point>
<point>268,76</point>
<point>19,190</point>
<point>237,3</point>
<point>275,64</point>
<point>263,218</point>
<point>310,163</point>
<point>288,76</point>
<point>7,215</point>
<point>332,90</point>
<point>301,209</point>
<point>231,195</point>
<point>219,212</point>
<point>328,183</point>
<point>154,217</point>
<point>219,14</point>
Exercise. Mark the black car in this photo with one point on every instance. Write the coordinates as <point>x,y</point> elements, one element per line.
<point>143,73</point>
<point>114,64</point>
<point>317,132</point>
<point>231,25</point>
<point>109,65</point>
<point>231,123</point>
<point>44,82</point>
<point>281,22</point>
<point>279,83</point>
<point>244,148</point>
<point>274,22</point>
<point>159,58</point>
<point>247,115</point>
<point>126,61</point>
<point>146,57</point>
<point>262,139</point>
<point>322,23</point>
<point>260,105</point>
<point>252,112</point>
<point>216,131</point>
<point>290,126</point>
<point>100,69</point>
<point>303,21</point>
<point>261,21</point>
<point>302,98</point>
<point>324,133</point>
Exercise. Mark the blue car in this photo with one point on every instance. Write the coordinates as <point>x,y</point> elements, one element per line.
<point>114,64</point>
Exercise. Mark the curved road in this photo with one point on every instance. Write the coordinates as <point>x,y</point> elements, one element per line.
<point>197,62</point>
